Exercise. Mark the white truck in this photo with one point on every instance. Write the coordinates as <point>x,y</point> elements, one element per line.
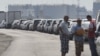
<point>98,33</point>
<point>2,16</point>
<point>2,19</point>
<point>11,16</point>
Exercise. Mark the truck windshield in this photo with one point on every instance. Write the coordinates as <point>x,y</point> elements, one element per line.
<point>99,18</point>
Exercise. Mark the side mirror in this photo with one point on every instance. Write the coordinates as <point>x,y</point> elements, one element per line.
<point>69,26</point>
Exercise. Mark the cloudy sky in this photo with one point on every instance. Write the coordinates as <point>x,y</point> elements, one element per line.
<point>86,3</point>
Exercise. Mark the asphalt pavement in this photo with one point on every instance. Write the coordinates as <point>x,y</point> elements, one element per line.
<point>33,43</point>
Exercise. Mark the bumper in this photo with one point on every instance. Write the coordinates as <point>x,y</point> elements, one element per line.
<point>98,45</point>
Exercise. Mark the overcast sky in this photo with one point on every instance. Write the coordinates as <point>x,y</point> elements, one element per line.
<point>86,3</point>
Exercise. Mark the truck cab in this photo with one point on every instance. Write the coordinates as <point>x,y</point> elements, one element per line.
<point>98,22</point>
<point>98,33</point>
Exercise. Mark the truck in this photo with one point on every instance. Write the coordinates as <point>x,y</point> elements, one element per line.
<point>2,19</point>
<point>11,16</point>
<point>98,33</point>
<point>2,16</point>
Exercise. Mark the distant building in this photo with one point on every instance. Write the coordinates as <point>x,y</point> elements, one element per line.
<point>48,11</point>
<point>83,12</point>
<point>96,8</point>
<point>72,11</point>
<point>27,11</point>
<point>97,0</point>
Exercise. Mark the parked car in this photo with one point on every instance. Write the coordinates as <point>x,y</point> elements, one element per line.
<point>15,24</point>
<point>25,25</point>
<point>3,24</point>
<point>98,39</point>
<point>50,27</point>
<point>56,26</point>
<point>85,25</point>
<point>98,33</point>
<point>21,24</point>
<point>40,25</point>
<point>33,24</point>
<point>98,45</point>
<point>46,25</point>
<point>72,23</point>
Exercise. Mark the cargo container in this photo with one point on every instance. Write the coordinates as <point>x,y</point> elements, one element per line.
<point>2,16</point>
<point>11,16</point>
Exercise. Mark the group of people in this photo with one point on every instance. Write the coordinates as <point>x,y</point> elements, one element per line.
<point>78,34</point>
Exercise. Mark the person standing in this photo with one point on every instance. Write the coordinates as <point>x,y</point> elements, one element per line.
<point>64,36</point>
<point>91,35</point>
<point>78,33</point>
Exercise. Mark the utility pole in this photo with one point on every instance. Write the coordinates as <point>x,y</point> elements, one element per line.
<point>41,12</point>
<point>64,6</point>
<point>78,7</point>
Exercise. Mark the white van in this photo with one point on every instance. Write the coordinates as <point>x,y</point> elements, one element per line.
<point>98,33</point>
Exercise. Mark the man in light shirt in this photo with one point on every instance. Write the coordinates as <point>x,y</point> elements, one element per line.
<point>64,36</point>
